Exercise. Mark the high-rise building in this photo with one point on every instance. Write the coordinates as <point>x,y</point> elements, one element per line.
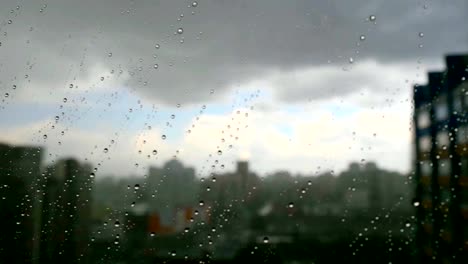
<point>66,221</point>
<point>170,187</point>
<point>19,215</point>
<point>441,163</point>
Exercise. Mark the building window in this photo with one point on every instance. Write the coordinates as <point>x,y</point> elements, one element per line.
<point>425,143</point>
<point>458,96</point>
<point>441,109</point>
<point>445,167</point>
<point>462,134</point>
<point>424,119</point>
<point>426,169</point>
<point>443,140</point>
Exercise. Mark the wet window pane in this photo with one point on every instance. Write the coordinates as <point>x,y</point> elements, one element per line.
<point>249,131</point>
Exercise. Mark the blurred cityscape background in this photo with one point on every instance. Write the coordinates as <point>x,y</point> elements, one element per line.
<point>63,213</point>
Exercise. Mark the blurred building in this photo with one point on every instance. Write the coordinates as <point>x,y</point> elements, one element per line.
<point>170,187</point>
<point>19,175</point>
<point>441,163</point>
<point>66,221</point>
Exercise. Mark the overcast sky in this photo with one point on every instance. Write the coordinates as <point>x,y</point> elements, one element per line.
<point>299,85</point>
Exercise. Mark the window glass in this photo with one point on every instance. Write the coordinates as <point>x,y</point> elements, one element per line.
<point>218,131</point>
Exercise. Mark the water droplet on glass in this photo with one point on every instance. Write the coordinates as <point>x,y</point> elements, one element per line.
<point>91,175</point>
<point>362,38</point>
<point>421,34</point>
<point>9,21</point>
<point>106,150</point>
<point>172,116</point>
<point>71,85</point>
<point>194,4</point>
<point>116,224</point>
<point>220,152</point>
<point>65,100</point>
<point>136,187</point>
<point>416,203</point>
<point>290,205</point>
<point>372,18</point>
<point>180,30</point>
<point>265,240</point>
<point>351,60</point>
<point>44,136</point>
<point>155,152</point>
<point>163,137</point>
<point>7,94</point>
<point>110,54</point>
<point>201,203</point>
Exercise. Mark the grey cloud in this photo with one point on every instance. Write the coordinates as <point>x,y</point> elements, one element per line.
<point>225,42</point>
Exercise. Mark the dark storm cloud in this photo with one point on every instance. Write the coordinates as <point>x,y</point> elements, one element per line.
<point>224,42</point>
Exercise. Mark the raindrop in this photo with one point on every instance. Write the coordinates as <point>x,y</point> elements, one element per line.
<point>421,34</point>
<point>416,204</point>
<point>155,66</point>
<point>194,3</point>
<point>157,46</point>
<point>44,136</point>
<point>201,203</point>
<point>65,100</point>
<point>172,116</point>
<point>180,30</point>
<point>290,205</point>
<point>110,54</point>
<point>136,187</point>
<point>71,85</point>
<point>106,150</point>
<point>57,118</point>
<point>91,175</point>
<point>265,240</point>
<point>116,224</point>
<point>220,152</point>
<point>362,37</point>
<point>9,21</point>
<point>152,234</point>
<point>102,78</point>
<point>155,152</point>
<point>351,60</point>
<point>7,94</point>
<point>163,137</point>
<point>372,18</point>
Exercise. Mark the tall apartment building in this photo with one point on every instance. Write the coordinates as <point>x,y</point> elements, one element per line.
<point>19,212</point>
<point>66,220</point>
<point>441,163</point>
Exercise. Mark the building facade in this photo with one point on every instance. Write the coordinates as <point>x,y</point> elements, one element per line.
<point>441,163</point>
